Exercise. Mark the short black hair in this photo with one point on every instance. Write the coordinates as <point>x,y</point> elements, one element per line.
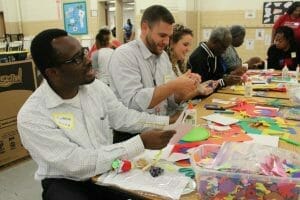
<point>157,13</point>
<point>293,7</point>
<point>42,51</point>
<point>237,30</point>
<point>288,33</point>
<point>103,37</point>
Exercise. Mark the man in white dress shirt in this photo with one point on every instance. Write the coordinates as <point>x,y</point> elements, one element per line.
<point>66,123</point>
<point>141,72</point>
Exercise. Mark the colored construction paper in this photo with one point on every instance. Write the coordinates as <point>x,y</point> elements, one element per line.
<point>196,134</point>
<point>248,129</point>
<point>220,119</point>
<point>235,134</point>
<point>264,140</point>
<point>181,130</point>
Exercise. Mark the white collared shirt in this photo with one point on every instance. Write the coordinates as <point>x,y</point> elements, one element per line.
<point>104,56</point>
<point>73,138</point>
<point>135,72</point>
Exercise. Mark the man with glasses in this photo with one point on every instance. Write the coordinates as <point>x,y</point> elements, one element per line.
<point>206,60</point>
<point>66,123</point>
<point>141,72</point>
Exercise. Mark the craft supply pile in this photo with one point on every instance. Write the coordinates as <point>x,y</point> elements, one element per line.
<point>230,152</point>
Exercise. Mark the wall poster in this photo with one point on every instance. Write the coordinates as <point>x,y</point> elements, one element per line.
<point>273,10</point>
<point>75,18</point>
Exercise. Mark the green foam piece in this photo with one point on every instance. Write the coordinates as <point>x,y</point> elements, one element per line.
<point>196,134</point>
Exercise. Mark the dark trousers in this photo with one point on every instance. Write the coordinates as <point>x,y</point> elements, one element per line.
<point>65,189</point>
<point>122,136</point>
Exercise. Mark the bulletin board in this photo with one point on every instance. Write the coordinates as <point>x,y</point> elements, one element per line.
<point>75,18</point>
<point>272,10</point>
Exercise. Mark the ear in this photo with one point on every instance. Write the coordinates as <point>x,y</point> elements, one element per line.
<point>51,73</point>
<point>144,27</point>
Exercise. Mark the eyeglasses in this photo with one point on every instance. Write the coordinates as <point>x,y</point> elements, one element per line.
<point>77,58</point>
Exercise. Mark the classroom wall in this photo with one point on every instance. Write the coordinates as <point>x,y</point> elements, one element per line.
<point>11,16</point>
<point>32,16</point>
<point>185,12</point>
<point>38,15</point>
<point>1,6</point>
<point>215,13</point>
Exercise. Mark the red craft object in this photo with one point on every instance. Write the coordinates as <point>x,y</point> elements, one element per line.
<point>126,166</point>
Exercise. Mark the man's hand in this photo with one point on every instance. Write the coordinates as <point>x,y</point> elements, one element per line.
<point>232,79</point>
<point>156,139</point>
<point>196,77</point>
<point>207,87</point>
<point>239,71</point>
<point>185,85</point>
<point>235,77</point>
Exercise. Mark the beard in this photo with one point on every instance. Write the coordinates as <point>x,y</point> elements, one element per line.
<point>150,43</point>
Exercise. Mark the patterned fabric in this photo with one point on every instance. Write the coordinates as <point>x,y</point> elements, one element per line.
<point>231,59</point>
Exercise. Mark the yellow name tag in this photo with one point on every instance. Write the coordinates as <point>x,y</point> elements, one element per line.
<point>167,78</point>
<point>64,120</point>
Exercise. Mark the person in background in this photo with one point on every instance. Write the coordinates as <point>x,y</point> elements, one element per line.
<point>65,124</point>
<point>231,57</point>
<point>114,43</point>
<point>284,51</point>
<point>101,58</point>
<point>291,19</point>
<point>102,39</point>
<point>206,59</point>
<point>180,44</point>
<point>128,29</point>
<point>141,72</point>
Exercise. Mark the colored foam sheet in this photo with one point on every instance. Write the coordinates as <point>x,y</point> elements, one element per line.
<point>196,134</point>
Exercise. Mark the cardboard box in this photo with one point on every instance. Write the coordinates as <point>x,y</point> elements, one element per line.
<point>17,82</point>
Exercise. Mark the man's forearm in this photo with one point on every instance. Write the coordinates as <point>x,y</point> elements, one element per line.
<point>161,93</point>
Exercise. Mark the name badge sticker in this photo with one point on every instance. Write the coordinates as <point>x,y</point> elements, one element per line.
<point>293,54</point>
<point>64,120</point>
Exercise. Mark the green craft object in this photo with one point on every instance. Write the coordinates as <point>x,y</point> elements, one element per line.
<point>116,164</point>
<point>196,134</point>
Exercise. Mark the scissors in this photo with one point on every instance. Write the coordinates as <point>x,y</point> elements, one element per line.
<point>189,172</point>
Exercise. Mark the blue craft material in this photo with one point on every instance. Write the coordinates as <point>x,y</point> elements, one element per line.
<point>296,175</point>
<point>290,130</point>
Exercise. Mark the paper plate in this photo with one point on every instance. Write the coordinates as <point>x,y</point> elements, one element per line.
<point>190,187</point>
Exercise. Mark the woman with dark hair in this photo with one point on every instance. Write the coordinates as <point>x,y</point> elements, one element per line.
<point>180,44</point>
<point>103,55</point>
<point>291,19</point>
<point>284,51</point>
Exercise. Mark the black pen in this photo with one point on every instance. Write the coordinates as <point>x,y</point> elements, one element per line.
<point>214,108</point>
